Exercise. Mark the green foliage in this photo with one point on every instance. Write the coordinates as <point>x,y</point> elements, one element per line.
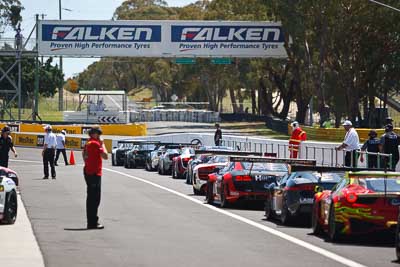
<point>10,13</point>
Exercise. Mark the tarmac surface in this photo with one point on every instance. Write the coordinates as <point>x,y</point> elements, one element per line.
<point>153,220</point>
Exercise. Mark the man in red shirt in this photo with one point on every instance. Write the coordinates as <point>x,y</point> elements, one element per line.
<point>298,136</point>
<point>93,154</point>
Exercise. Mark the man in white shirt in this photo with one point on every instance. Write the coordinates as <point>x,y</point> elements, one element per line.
<point>49,151</point>
<point>61,147</point>
<point>350,144</point>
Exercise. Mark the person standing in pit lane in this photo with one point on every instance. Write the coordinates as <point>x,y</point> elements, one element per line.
<point>93,154</point>
<point>61,147</point>
<point>371,145</point>
<point>218,135</point>
<point>49,151</point>
<point>6,144</point>
<point>298,136</point>
<point>350,144</point>
<point>390,142</point>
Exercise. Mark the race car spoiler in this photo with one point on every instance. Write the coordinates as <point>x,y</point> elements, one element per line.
<point>292,162</point>
<point>330,169</point>
<point>177,145</point>
<point>227,153</point>
<point>137,142</point>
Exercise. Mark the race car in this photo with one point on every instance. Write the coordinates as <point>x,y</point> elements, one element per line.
<point>118,153</point>
<point>180,163</point>
<point>9,174</point>
<point>165,161</point>
<point>202,158</point>
<point>361,203</point>
<point>218,160</point>
<point>293,195</point>
<point>136,157</point>
<point>244,178</point>
<point>153,158</point>
<point>8,200</point>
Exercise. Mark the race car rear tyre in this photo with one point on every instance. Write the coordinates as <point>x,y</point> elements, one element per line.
<point>316,227</point>
<point>174,174</point>
<point>147,167</point>
<point>286,217</point>
<point>334,228</point>
<point>224,202</point>
<point>268,209</point>
<point>398,242</point>
<point>113,161</point>
<point>209,194</point>
<point>196,192</point>
<point>11,208</point>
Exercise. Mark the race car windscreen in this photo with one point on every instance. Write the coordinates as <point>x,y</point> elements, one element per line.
<point>187,152</point>
<point>379,184</point>
<point>264,166</point>
<point>218,159</point>
<point>328,179</point>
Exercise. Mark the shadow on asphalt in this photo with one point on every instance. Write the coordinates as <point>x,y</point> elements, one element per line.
<point>379,239</point>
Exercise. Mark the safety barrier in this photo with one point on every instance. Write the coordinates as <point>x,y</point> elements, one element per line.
<point>108,129</point>
<point>37,140</point>
<point>174,115</point>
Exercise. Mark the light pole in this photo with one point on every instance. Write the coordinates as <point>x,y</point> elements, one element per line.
<point>61,89</point>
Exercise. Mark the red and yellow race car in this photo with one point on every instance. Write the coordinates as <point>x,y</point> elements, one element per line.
<point>362,202</point>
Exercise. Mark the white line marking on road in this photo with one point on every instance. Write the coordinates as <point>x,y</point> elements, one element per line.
<point>321,251</point>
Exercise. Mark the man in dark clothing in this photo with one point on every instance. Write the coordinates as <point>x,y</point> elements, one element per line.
<point>218,135</point>
<point>93,154</point>
<point>390,145</point>
<point>6,144</point>
<point>371,145</point>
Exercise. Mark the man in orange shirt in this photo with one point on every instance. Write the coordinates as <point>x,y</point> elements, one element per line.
<point>298,136</point>
<point>93,154</point>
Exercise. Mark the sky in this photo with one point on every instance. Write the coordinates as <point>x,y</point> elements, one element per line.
<point>80,9</point>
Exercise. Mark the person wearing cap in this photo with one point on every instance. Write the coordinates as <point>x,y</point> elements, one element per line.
<point>93,154</point>
<point>6,144</point>
<point>218,135</point>
<point>61,147</point>
<point>371,145</point>
<point>351,144</point>
<point>390,145</point>
<point>298,136</point>
<point>388,120</point>
<point>49,152</point>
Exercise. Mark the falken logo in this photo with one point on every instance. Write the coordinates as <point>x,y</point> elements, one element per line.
<point>83,33</point>
<point>271,34</point>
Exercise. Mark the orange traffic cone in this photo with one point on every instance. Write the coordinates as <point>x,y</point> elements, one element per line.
<point>72,158</point>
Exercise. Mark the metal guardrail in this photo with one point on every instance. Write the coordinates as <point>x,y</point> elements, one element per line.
<point>326,156</point>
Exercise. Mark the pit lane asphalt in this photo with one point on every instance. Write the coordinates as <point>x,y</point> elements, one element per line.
<point>149,226</point>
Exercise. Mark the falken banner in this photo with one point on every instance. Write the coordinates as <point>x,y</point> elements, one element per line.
<point>161,39</point>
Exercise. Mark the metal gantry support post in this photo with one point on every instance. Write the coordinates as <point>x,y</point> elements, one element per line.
<point>36,91</point>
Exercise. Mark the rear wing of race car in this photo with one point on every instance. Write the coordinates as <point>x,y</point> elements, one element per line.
<point>137,142</point>
<point>331,169</point>
<point>292,162</point>
<point>177,145</point>
<point>226,153</point>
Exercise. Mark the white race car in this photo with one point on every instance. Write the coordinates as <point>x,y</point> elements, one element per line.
<point>201,172</point>
<point>8,200</point>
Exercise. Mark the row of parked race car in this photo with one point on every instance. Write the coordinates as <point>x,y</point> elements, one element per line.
<point>338,201</point>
